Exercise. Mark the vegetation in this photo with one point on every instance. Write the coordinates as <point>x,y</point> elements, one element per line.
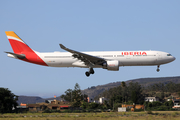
<point>135,93</point>
<point>131,93</point>
<point>94,116</point>
<point>7,100</point>
<point>125,93</point>
<point>93,91</point>
<point>162,90</point>
<point>158,106</point>
<point>74,96</point>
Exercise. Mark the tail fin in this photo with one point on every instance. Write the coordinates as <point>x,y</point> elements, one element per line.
<point>22,50</point>
<point>17,44</point>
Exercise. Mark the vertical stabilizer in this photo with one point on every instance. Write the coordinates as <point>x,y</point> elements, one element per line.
<point>22,50</point>
<point>17,44</point>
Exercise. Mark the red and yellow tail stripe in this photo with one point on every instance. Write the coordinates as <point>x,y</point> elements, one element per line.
<point>13,36</point>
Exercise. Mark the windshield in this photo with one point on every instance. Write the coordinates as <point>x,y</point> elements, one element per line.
<point>169,55</point>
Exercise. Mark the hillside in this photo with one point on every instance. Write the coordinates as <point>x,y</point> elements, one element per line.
<point>29,99</point>
<point>33,99</point>
<point>95,90</point>
<point>149,81</point>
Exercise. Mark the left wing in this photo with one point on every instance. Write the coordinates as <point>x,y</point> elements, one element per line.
<point>87,59</point>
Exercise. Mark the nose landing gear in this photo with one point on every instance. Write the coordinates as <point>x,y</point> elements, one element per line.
<point>158,68</point>
<point>91,71</point>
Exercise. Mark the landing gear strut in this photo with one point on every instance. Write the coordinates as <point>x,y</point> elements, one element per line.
<point>91,71</point>
<point>158,68</point>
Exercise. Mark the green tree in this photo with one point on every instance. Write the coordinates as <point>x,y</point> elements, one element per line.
<point>169,103</point>
<point>106,104</point>
<point>68,95</point>
<point>149,104</point>
<point>93,105</point>
<point>7,100</point>
<point>162,96</point>
<point>77,96</point>
<point>84,104</point>
<point>124,91</point>
<point>74,96</point>
<point>156,103</point>
<point>134,97</point>
<point>123,84</point>
<point>135,92</point>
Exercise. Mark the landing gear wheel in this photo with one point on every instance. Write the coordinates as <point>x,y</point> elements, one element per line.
<point>91,71</point>
<point>87,74</point>
<point>158,68</point>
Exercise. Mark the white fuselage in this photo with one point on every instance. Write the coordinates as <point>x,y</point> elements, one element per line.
<point>125,58</point>
<point>110,60</point>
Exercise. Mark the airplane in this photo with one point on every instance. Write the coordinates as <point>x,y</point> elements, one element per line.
<point>110,60</point>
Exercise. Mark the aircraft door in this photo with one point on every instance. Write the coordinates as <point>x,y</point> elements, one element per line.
<point>159,58</point>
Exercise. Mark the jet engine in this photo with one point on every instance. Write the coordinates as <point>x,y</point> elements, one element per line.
<point>112,65</point>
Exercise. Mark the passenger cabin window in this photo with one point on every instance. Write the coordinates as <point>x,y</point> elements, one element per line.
<point>107,55</point>
<point>169,55</point>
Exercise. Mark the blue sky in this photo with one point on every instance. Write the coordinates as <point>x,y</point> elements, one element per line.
<point>84,25</point>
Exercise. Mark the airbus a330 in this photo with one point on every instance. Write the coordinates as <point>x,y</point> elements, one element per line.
<point>110,60</point>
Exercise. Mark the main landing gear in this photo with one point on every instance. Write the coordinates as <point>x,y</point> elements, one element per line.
<point>91,71</point>
<point>158,68</point>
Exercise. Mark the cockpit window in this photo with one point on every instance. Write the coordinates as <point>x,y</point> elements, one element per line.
<point>169,55</point>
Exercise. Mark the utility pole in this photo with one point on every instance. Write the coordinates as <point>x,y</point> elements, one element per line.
<point>113,104</point>
<point>71,96</point>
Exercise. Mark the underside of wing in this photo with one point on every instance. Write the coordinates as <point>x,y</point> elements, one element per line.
<point>86,58</point>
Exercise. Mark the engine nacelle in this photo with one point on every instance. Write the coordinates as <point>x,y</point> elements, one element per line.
<point>111,65</point>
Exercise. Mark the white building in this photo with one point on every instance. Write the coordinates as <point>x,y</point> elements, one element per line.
<point>101,100</point>
<point>151,99</point>
<point>121,109</point>
<point>176,103</point>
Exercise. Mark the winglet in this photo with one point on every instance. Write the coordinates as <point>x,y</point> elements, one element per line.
<point>62,46</point>
<point>67,49</point>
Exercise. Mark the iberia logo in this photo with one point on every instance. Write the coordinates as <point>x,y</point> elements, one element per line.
<point>134,53</point>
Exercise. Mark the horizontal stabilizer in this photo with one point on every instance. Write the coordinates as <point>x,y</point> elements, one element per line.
<point>20,56</point>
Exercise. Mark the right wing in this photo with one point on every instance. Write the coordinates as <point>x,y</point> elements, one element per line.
<point>86,58</point>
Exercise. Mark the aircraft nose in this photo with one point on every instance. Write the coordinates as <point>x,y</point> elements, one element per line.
<point>173,58</point>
